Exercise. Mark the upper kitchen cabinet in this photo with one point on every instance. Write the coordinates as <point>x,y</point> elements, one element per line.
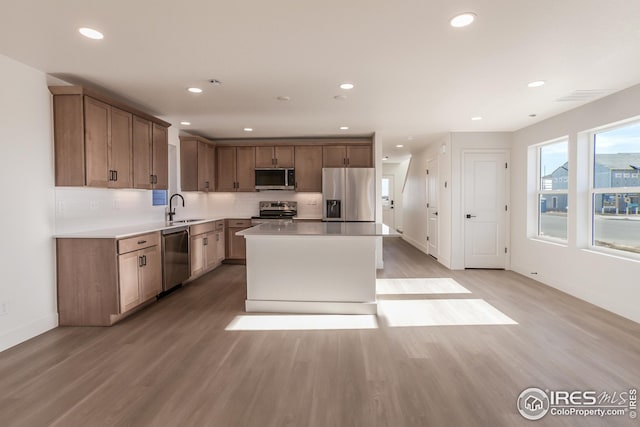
<point>236,168</point>
<point>160,157</point>
<point>197,164</point>
<point>308,168</point>
<point>347,156</point>
<point>274,157</point>
<point>98,142</point>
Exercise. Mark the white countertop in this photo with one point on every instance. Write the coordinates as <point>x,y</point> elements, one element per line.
<point>128,230</point>
<point>319,229</point>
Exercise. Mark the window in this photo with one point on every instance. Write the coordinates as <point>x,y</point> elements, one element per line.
<point>553,184</point>
<point>615,190</point>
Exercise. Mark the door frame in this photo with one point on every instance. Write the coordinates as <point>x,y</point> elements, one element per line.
<point>507,189</point>
<point>392,191</point>
<point>435,161</point>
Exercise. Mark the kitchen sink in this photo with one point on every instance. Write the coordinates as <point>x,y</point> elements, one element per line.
<point>186,221</point>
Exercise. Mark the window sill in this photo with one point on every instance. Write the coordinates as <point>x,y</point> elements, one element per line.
<point>550,240</point>
<point>612,253</point>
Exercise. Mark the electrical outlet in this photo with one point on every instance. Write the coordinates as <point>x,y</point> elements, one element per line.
<point>4,308</point>
<point>116,204</point>
<point>61,206</point>
<point>93,205</point>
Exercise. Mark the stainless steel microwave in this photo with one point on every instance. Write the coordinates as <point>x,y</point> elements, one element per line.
<point>275,179</point>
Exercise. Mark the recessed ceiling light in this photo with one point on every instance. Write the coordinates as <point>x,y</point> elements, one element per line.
<point>476,118</point>
<point>385,158</point>
<point>344,127</point>
<point>346,86</point>
<point>194,90</point>
<point>185,123</point>
<point>463,19</point>
<point>340,97</point>
<point>399,146</point>
<point>248,129</point>
<point>537,83</point>
<point>283,98</point>
<point>91,33</point>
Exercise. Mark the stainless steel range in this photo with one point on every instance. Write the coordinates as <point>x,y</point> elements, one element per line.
<point>276,211</point>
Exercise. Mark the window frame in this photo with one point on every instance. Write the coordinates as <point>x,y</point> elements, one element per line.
<point>539,192</point>
<point>593,191</point>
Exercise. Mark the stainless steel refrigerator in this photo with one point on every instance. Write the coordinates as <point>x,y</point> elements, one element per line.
<point>348,194</point>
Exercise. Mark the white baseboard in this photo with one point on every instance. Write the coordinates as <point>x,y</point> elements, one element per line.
<point>311,307</point>
<point>23,333</point>
<point>416,244</point>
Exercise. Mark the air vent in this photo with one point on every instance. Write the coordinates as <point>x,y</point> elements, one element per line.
<point>585,95</point>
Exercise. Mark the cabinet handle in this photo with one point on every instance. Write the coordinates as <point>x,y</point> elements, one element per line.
<point>347,161</point>
<point>155,179</point>
<point>217,237</point>
<point>205,241</point>
<point>206,184</point>
<point>140,262</point>
<point>115,175</point>
<point>140,242</point>
<point>144,260</point>
<point>150,179</point>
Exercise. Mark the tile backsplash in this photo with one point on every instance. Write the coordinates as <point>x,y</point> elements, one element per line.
<point>79,209</point>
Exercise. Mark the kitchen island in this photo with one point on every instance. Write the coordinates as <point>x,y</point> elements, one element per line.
<point>323,267</point>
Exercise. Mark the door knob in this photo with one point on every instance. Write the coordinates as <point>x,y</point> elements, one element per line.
<point>470,216</point>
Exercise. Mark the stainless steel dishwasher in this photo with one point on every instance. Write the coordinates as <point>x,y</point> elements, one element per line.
<point>175,256</point>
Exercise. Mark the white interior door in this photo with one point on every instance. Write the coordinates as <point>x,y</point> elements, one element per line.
<point>485,210</point>
<point>388,212</point>
<point>432,207</point>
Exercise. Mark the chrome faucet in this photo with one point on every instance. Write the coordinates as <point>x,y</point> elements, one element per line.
<point>172,210</point>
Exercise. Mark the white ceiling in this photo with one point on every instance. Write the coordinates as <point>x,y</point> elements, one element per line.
<point>414,75</point>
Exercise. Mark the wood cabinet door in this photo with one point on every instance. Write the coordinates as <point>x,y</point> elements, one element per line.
<point>210,251</point>
<point>226,169</point>
<point>128,265</point>
<point>204,184</point>
<point>333,156</point>
<point>196,254</point>
<point>359,156</point>
<point>160,163</point>
<point>120,148</point>
<point>265,157</point>
<point>237,248</point>
<point>245,169</point>
<point>141,153</point>
<point>284,156</point>
<point>150,274</point>
<point>211,166</point>
<point>308,161</point>
<point>97,117</point>
<point>220,246</point>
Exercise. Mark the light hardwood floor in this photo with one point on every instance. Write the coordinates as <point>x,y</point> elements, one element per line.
<point>175,364</point>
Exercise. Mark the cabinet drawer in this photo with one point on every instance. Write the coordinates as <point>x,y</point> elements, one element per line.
<point>138,242</point>
<point>219,225</point>
<point>196,229</point>
<point>238,223</point>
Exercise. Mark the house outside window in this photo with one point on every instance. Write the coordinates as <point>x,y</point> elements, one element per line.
<point>615,189</point>
<point>553,184</point>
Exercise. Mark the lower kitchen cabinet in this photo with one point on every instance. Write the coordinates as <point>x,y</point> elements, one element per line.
<point>206,247</point>
<point>236,248</point>
<point>140,276</point>
<point>102,280</point>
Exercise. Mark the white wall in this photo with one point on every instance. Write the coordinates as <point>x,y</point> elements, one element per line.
<point>27,265</point>
<point>607,281</point>
<point>414,218</point>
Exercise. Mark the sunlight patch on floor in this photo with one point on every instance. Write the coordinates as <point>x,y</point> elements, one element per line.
<point>437,285</point>
<point>441,312</point>
<point>268,322</point>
